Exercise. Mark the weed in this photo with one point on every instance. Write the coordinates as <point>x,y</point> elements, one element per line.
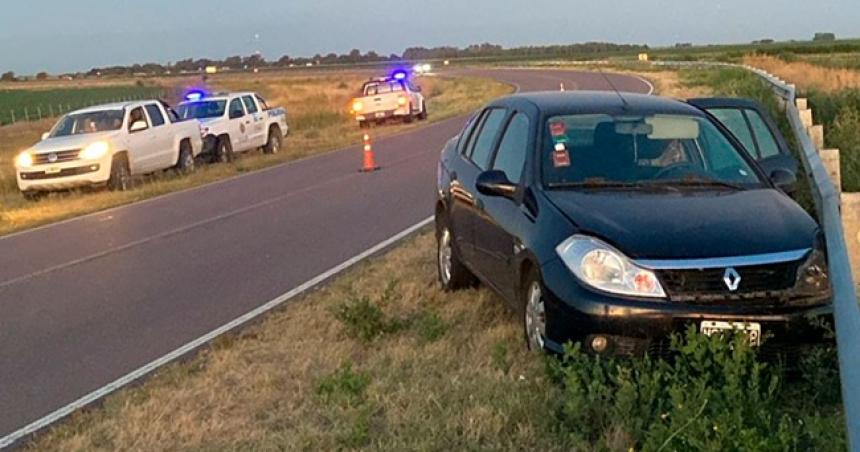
<point>364,319</point>
<point>501,360</point>
<point>344,386</point>
<point>429,326</point>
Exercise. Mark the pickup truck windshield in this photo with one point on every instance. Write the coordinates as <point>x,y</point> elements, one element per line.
<point>90,122</point>
<point>201,110</point>
<point>598,149</point>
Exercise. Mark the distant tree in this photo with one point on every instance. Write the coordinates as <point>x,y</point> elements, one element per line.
<point>42,76</point>
<point>826,37</point>
<point>8,77</point>
<point>284,61</point>
<point>233,62</point>
<point>764,41</point>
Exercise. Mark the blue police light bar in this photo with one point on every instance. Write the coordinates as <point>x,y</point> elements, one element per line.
<point>399,74</point>
<point>193,96</point>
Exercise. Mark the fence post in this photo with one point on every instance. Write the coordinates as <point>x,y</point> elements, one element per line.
<point>39,110</point>
<point>851,226</point>
<point>801,103</point>
<point>830,158</point>
<point>817,135</point>
<point>26,115</point>
<point>12,113</point>
<point>805,117</point>
<point>50,111</point>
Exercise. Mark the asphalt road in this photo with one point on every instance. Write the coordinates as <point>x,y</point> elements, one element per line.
<point>86,301</point>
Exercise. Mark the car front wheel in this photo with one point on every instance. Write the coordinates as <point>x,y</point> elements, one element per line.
<point>120,174</point>
<point>534,320</point>
<point>453,274</point>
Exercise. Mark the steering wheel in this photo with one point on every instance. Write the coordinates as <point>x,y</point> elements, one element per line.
<point>678,170</point>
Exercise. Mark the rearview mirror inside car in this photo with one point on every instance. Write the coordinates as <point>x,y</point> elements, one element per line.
<point>137,126</point>
<point>784,179</point>
<point>495,183</point>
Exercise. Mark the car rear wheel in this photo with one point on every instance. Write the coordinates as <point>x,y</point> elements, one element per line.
<point>423,115</point>
<point>120,174</point>
<point>32,195</point>
<point>273,144</point>
<point>453,275</point>
<point>534,313</point>
<point>409,118</point>
<point>363,124</point>
<point>185,163</point>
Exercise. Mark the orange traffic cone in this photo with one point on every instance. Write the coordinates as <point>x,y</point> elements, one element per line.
<point>369,162</point>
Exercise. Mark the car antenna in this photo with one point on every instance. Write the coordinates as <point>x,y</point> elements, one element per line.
<point>612,85</point>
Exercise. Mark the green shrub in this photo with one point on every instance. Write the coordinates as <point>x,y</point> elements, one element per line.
<point>429,326</point>
<point>714,394</point>
<point>839,112</point>
<point>364,319</point>
<point>344,386</point>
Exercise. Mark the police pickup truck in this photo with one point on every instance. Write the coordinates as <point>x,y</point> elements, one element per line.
<point>108,144</point>
<point>386,98</point>
<point>235,122</point>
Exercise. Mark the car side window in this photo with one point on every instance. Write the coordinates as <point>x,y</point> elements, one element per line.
<point>767,146</point>
<point>236,108</point>
<point>136,115</point>
<point>733,119</point>
<point>249,104</point>
<point>511,156</point>
<point>262,103</point>
<point>155,115</point>
<point>486,137</point>
<point>466,134</point>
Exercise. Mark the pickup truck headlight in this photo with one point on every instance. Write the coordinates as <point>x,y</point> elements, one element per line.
<point>604,268</point>
<point>95,150</point>
<point>24,160</point>
<point>357,106</point>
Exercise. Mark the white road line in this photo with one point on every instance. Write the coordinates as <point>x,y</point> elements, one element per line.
<point>94,396</point>
<point>646,81</point>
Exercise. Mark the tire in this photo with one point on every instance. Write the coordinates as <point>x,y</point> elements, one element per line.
<point>185,162</point>
<point>453,275</point>
<point>409,118</point>
<point>423,115</point>
<point>223,150</point>
<point>534,312</point>
<point>363,124</point>
<point>120,174</point>
<point>273,144</point>
<point>32,195</point>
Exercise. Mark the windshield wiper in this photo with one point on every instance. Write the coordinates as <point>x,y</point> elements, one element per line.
<point>699,183</point>
<point>597,184</point>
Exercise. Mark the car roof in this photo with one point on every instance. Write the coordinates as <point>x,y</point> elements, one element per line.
<point>553,103</point>
<point>724,102</point>
<point>116,106</point>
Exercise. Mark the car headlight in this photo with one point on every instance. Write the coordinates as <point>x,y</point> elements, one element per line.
<point>95,150</point>
<point>604,268</point>
<point>24,160</point>
<point>357,106</point>
<point>812,277</point>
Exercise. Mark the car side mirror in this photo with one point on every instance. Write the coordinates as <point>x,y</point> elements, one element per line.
<point>45,135</point>
<point>495,183</point>
<point>236,114</point>
<point>784,180</point>
<point>137,126</point>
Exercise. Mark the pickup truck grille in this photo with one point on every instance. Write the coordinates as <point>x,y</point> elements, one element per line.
<point>758,283</point>
<point>62,156</point>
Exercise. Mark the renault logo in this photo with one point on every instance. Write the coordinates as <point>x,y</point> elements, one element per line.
<point>732,279</point>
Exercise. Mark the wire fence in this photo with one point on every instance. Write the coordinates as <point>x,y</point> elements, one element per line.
<point>14,109</point>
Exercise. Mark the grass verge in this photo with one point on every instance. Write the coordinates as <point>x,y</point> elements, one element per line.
<point>380,359</point>
<point>317,108</point>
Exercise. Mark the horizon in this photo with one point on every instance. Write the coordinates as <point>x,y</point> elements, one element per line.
<point>85,35</point>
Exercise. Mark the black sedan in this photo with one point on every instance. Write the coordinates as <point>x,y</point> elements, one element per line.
<point>615,220</point>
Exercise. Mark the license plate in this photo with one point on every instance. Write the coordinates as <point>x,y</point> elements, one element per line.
<point>750,329</point>
<point>380,115</point>
<point>52,170</point>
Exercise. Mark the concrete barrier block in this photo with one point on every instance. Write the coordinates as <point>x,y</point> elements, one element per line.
<point>806,117</point>
<point>830,158</point>
<point>851,227</point>
<point>801,103</point>
<point>817,134</point>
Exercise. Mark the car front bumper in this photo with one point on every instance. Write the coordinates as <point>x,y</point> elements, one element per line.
<point>633,327</point>
<point>63,176</point>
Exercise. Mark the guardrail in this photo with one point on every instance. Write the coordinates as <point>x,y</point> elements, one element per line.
<point>827,204</point>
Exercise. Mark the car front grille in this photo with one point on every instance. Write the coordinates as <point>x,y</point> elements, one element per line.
<point>61,156</point>
<point>763,283</point>
<point>65,172</point>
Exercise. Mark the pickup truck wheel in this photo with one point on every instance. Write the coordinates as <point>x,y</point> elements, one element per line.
<point>185,162</point>
<point>363,124</point>
<point>273,145</point>
<point>423,115</point>
<point>408,118</point>
<point>32,195</point>
<point>223,150</point>
<point>120,174</point>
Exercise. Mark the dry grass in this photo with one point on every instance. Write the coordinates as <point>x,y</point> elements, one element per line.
<point>807,75</point>
<point>318,114</point>
<point>298,381</point>
<point>668,83</point>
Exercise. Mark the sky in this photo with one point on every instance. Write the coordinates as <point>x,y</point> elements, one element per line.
<point>74,35</point>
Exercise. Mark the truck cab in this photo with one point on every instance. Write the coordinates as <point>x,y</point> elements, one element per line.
<point>234,123</point>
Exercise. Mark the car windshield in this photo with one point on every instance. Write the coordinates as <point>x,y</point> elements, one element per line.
<point>596,150</point>
<point>373,89</point>
<point>89,122</point>
<point>201,110</point>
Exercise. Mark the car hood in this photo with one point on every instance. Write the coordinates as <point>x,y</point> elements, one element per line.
<point>690,225</point>
<point>71,142</point>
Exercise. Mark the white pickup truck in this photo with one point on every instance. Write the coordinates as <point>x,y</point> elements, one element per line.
<point>108,144</point>
<point>389,98</point>
<point>235,122</point>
